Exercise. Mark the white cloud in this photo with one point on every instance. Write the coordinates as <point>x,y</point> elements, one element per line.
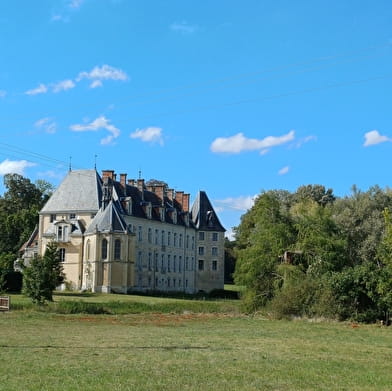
<point>237,203</point>
<point>239,143</point>
<point>230,234</point>
<point>47,124</point>
<point>63,85</point>
<point>3,93</point>
<point>284,170</point>
<point>184,27</point>
<point>14,166</point>
<point>151,135</point>
<point>98,124</point>
<point>96,83</point>
<point>374,137</point>
<point>304,140</point>
<point>41,89</point>
<point>75,3</point>
<point>105,72</point>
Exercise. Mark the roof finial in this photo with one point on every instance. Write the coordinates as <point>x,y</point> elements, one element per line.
<point>70,163</point>
<point>140,174</point>
<point>95,162</point>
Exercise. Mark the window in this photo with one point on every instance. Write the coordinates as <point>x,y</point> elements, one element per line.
<point>201,235</point>
<point>52,218</point>
<point>186,263</point>
<point>163,238</point>
<point>104,248</point>
<point>201,250</point>
<point>140,233</point>
<point>169,238</point>
<point>187,241</point>
<point>201,264</point>
<point>72,216</point>
<point>174,263</point>
<point>62,254</point>
<point>214,265</point>
<point>214,251</point>
<point>149,261</point>
<point>180,241</point>
<point>162,263</point>
<point>215,236</point>
<point>179,263</point>
<point>62,233</point>
<point>193,242</point>
<point>88,249</point>
<point>117,249</point>
<point>175,239</point>
<point>168,263</point>
<point>150,235</point>
<point>156,236</point>
<point>139,260</point>
<point>156,261</point>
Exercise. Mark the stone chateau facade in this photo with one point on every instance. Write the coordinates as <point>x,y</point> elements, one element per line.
<point>119,235</point>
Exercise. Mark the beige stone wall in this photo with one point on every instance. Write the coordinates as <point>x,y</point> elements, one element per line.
<point>210,261</point>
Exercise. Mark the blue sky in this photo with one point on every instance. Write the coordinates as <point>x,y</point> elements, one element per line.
<point>224,96</point>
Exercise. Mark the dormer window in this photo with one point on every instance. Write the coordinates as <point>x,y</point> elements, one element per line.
<point>162,213</point>
<point>62,232</point>
<point>149,210</point>
<point>174,216</point>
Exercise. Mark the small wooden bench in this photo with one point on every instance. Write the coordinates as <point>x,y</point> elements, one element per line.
<point>5,302</point>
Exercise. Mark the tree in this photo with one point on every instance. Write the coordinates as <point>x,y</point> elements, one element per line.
<point>43,275</point>
<point>19,207</point>
<point>264,234</point>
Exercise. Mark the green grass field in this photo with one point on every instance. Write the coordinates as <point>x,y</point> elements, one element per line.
<point>187,350</point>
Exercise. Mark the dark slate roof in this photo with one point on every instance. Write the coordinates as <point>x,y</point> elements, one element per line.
<point>80,191</point>
<point>203,214</point>
<point>107,220</point>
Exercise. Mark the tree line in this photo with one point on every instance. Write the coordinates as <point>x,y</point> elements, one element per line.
<point>309,253</point>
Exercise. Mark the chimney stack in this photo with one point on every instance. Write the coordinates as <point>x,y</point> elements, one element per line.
<point>185,202</point>
<point>123,179</point>
<point>108,174</point>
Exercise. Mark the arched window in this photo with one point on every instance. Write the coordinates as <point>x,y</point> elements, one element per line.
<point>117,249</point>
<point>88,249</point>
<point>104,249</point>
<point>62,254</point>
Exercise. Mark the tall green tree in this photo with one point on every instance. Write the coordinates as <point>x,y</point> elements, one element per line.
<point>43,275</point>
<point>264,234</point>
<point>19,207</point>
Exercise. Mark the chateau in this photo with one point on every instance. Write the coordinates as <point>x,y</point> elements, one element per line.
<point>131,235</point>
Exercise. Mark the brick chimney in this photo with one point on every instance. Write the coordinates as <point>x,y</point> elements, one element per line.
<point>185,202</point>
<point>123,179</point>
<point>108,174</point>
<point>131,182</point>
<point>179,197</point>
<point>170,194</point>
<point>159,190</point>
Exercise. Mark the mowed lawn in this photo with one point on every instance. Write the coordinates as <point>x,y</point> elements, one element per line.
<point>189,351</point>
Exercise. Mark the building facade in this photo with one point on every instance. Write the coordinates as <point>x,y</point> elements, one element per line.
<point>131,235</point>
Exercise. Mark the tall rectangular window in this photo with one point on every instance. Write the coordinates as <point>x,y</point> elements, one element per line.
<point>201,250</point>
<point>201,264</point>
<point>149,235</point>
<point>140,233</point>
<point>214,265</point>
<point>214,251</point>
<point>62,254</point>
<point>215,236</point>
<point>201,235</point>
<point>117,249</point>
